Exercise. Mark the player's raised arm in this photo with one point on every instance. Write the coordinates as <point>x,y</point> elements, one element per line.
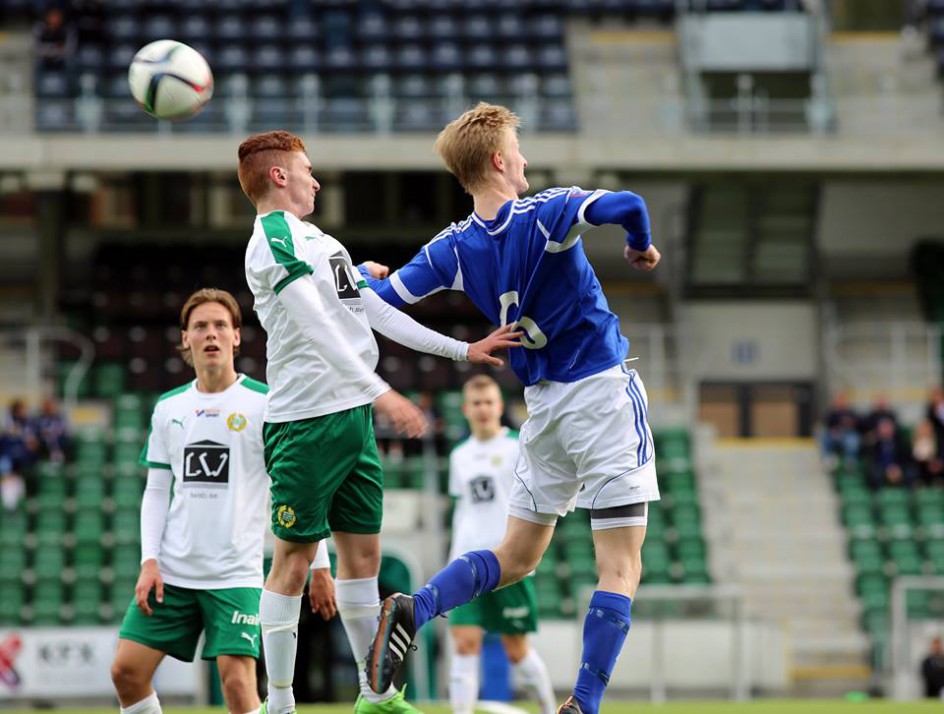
<point>626,209</point>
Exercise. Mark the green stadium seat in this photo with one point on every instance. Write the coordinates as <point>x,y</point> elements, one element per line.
<point>86,602</point>
<point>694,571</point>
<point>12,564</point>
<point>859,521</point>
<point>934,550</point>
<point>121,594</point>
<point>88,559</point>
<point>892,497</point>
<point>929,497</point>
<point>50,527</point>
<point>126,526</point>
<point>62,374</point>
<point>905,557</point>
<point>688,548</point>
<point>109,379</point>
<point>126,562</point>
<point>127,489</point>
<point>930,516</point>
<point>89,491</point>
<point>856,497</point>
<point>127,453</point>
<point>896,518</point>
<point>918,604</point>
<point>13,526</point>
<point>49,561</point>
<point>11,603</point>
<point>47,599</point>
<point>89,527</point>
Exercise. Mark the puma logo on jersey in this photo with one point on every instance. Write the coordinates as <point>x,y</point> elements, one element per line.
<point>178,422</point>
<point>251,638</point>
<point>280,241</point>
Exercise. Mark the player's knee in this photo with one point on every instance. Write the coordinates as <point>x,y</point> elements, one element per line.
<point>130,682</point>
<point>238,690</point>
<point>467,646</point>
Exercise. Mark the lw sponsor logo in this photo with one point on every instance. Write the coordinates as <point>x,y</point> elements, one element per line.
<point>482,489</point>
<point>242,618</point>
<point>206,463</point>
<point>285,515</point>
<point>207,412</point>
<point>345,284</point>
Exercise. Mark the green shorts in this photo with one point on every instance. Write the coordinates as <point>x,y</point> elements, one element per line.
<point>509,611</point>
<point>326,475</point>
<point>230,618</point>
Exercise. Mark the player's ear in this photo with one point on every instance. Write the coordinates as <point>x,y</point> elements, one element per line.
<point>498,161</point>
<point>237,337</point>
<point>184,340</point>
<point>278,175</point>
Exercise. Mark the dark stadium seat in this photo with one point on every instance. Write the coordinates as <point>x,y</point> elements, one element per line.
<point>123,28</point>
<point>443,27</point>
<point>52,84</point>
<point>267,28</point>
<point>408,28</point>
<point>158,27</point>
<point>446,56</point>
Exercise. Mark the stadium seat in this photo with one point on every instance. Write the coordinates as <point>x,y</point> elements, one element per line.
<point>11,603</point>
<point>88,560</point>
<point>86,602</point>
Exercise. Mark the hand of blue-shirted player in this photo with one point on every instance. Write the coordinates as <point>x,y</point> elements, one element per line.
<point>376,270</point>
<point>504,337</point>
<point>644,260</point>
<point>150,578</point>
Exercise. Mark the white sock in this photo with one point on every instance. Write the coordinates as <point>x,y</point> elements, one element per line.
<point>532,673</point>
<point>359,607</point>
<point>463,683</point>
<point>279,617</point>
<point>149,705</point>
<point>254,711</point>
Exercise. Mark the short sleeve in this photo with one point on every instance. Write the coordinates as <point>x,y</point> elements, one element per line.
<point>277,261</point>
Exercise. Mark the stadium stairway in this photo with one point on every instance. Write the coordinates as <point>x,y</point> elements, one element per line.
<point>773,508</point>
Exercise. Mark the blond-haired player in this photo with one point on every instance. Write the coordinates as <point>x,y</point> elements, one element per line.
<point>587,441</point>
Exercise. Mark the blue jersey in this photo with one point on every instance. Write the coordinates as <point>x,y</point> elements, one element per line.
<point>528,266</point>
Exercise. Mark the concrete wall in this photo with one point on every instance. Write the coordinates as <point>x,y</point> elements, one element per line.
<point>761,340</point>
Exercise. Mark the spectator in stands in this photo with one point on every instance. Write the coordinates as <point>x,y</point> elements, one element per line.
<point>935,415</point>
<point>54,40</point>
<point>841,438</point>
<point>21,429</point>
<point>53,432</point>
<point>924,450</point>
<point>12,487</point>
<point>889,458</point>
<point>881,409</point>
<point>932,670</point>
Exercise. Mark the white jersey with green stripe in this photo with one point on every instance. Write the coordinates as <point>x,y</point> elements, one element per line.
<point>303,383</point>
<point>480,479</point>
<point>218,515</point>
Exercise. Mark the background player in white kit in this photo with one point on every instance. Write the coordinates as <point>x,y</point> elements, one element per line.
<point>586,442</point>
<point>201,551</point>
<point>481,472</point>
<point>320,450</point>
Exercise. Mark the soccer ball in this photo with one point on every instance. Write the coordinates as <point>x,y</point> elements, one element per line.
<point>170,80</point>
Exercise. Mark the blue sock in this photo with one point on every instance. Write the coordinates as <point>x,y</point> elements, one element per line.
<point>604,631</point>
<point>465,578</point>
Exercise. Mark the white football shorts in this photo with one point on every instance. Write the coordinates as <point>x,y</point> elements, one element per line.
<point>586,444</point>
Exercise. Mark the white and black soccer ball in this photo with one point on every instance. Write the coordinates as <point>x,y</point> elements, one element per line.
<point>170,80</point>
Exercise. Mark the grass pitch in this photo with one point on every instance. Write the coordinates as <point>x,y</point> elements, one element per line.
<point>798,706</point>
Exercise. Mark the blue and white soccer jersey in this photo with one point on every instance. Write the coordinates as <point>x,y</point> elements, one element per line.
<point>527,266</point>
